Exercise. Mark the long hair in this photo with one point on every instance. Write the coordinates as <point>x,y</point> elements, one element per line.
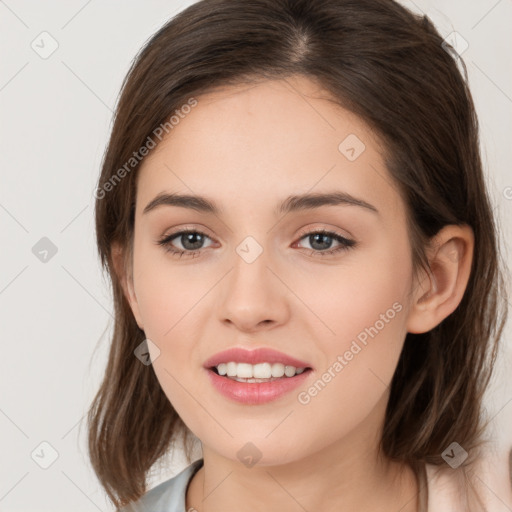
<point>391,68</point>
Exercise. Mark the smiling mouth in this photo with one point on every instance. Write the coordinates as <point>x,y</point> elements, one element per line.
<point>246,373</point>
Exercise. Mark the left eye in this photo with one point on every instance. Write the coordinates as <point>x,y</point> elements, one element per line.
<point>316,237</point>
<point>192,241</point>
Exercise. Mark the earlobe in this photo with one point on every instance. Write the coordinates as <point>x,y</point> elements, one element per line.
<point>125,276</point>
<point>442,287</point>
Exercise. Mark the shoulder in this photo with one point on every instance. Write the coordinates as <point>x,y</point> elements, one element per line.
<point>489,478</point>
<point>168,496</point>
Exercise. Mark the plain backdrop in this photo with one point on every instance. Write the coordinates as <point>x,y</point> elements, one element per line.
<point>55,306</point>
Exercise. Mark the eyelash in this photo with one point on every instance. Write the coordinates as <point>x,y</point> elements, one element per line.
<point>345,243</point>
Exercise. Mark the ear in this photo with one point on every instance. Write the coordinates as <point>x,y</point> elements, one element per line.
<point>440,291</point>
<point>124,272</point>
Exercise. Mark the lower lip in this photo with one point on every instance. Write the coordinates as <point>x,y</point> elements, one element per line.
<point>255,393</point>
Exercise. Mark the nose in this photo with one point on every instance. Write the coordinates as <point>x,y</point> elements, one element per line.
<point>254,296</point>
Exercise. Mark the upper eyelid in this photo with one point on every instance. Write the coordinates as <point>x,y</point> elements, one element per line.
<point>316,226</point>
<point>334,231</point>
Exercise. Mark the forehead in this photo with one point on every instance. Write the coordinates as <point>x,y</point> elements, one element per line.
<point>253,142</point>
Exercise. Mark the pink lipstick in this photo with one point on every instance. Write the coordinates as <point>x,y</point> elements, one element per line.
<point>257,376</point>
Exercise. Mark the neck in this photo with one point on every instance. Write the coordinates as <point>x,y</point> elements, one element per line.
<point>350,474</point>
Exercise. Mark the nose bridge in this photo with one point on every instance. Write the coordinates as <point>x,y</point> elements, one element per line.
<point>252,293</point>
<point>251,263</point>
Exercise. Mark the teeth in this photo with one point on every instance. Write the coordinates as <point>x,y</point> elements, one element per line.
<point>257,371</point>
<point>277,370</point>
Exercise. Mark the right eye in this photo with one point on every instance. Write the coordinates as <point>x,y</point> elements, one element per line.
<point>191,241</point>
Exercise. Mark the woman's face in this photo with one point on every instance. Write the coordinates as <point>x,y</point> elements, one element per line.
<point>258,277</point>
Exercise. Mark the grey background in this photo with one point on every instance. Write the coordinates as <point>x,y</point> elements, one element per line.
<point>55,315</point>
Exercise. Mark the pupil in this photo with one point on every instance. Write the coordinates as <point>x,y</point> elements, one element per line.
<point>189,237</point>
<point>315,238</point>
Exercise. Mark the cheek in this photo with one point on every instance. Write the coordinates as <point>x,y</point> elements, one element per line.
<point>173,306</point>
<point>365,307</point>
<point>167,293</point>
<point>368,291</point>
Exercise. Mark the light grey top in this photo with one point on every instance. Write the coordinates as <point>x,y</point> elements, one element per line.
<point>169,496</point>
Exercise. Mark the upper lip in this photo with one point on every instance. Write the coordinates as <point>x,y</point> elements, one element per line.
<point>255,356</point>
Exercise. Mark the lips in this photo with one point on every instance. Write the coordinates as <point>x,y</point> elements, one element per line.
<point>259,355</point>
<point>256,393</point>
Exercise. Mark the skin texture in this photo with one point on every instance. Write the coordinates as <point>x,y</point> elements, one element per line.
<point>248,148</point>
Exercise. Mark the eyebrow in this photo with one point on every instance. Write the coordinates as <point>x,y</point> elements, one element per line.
<point>290,204</point>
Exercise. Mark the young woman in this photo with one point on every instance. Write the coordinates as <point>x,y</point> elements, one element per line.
<point>305,266</point>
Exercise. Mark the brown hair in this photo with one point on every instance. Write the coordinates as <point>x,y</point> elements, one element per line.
<point>386,65</point>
